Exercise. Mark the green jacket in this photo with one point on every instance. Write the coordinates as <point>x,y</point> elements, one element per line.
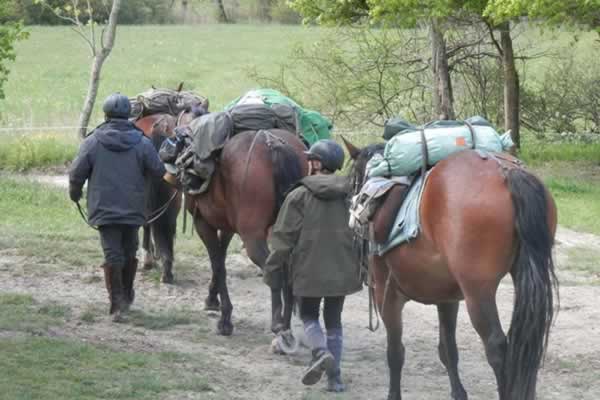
<point>312,238</point>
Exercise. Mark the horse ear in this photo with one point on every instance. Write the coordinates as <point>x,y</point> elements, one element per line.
<point>352,149</point>
<point>205,103</point>
<point>180,87</point>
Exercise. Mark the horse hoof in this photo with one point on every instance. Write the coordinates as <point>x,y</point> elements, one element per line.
<point>212,304</point>
<point>277,327</point>
<point>225,328</point>
<point>168,279</point>
<point>148,266</point>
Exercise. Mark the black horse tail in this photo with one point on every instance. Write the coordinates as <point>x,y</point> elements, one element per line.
<point>287,170</point>
<point>535,284</point>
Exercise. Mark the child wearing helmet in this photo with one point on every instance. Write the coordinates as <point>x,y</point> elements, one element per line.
<point>312,240</point>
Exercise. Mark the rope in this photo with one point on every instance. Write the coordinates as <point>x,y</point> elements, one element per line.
<point>159,212</point>
<point>84,216</point>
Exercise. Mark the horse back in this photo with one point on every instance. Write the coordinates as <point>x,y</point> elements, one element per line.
<point>246,174</point>
<point>467,231</point>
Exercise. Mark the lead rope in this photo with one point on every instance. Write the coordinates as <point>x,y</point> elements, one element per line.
<point>84,216</point>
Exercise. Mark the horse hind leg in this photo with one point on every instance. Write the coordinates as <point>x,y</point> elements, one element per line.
<point>448,352</point>
<point>484,317</point>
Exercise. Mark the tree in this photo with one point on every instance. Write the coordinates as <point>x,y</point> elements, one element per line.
<point>10,33</point>
<point>581,13</point>
<point>100,46</point>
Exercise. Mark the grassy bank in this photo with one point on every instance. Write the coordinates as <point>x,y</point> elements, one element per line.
<point>37,366</point>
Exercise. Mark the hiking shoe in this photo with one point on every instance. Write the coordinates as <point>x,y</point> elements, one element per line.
<point>322,361</point>
<point>335,383</point>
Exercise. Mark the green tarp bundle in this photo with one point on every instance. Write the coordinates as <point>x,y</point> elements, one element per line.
<point>311,125</point>
<point>403,154</point>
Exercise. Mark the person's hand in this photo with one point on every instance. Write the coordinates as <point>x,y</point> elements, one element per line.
<point>75,193</point>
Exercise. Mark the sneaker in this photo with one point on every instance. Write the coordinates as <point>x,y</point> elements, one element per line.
<point>322,361</point>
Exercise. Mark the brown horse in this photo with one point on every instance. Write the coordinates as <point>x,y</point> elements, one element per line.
<point>254,171</point>
<point>159,236</point>
<point>481,218</point>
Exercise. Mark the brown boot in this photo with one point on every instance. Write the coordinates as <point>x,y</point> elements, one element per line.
<point>129,272</point>
<point>114,286</point>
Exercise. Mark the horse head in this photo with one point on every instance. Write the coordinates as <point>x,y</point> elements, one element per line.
<point>360,157</point>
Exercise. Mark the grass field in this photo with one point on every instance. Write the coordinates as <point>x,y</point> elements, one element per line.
<point>49,79</point>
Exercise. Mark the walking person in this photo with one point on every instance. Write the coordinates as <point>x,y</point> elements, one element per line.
<point>114,159</point>
<point>312,240</point>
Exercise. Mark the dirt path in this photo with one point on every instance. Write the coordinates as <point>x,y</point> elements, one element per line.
<point>252,372</point>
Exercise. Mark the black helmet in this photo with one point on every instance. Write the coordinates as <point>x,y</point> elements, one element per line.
<point>117,106</point>
<point>329,153</point>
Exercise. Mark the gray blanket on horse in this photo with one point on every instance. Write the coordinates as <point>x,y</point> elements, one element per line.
<point>407,224</point>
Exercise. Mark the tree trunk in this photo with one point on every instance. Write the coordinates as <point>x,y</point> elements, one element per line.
<point>222,15</point>
<point>99,58</point>
<point>184,11</point>
<point>511,85</point>
<point>443,102</point>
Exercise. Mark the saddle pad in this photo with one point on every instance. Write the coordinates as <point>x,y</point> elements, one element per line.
<point>407,224</point>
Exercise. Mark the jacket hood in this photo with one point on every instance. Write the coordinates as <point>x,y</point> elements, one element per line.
<point>327,187</point>
<point>118,135</point>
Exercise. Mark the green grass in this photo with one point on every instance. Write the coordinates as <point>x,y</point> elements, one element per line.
<point>20,312</point>
<point>49,79</point>
<point>24,152</point>
<point>52,369</point>
<point>43,223</point>
<point>536,153</point>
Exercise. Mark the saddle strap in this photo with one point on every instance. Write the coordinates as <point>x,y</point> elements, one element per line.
<point>472,131</point>
<point>424,152</point>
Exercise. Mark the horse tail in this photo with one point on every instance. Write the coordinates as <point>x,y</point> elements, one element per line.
<point>287,170</point>
<point>535,283</point>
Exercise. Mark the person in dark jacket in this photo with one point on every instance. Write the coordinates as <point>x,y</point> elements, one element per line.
<point>311,238</point>
<point>114,160</point>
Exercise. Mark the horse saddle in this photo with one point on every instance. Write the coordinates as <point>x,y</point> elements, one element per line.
<point>366,202</point>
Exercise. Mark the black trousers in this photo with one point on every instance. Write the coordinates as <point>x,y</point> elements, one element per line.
<point>119,243</point>
<point>332,310</point>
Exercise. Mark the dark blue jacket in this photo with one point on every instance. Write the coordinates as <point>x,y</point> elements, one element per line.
<point>115,159</point>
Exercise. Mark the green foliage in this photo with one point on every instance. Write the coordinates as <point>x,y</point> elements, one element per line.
<point>43,12</point>
<point>583,13</point>
<point>21,153</point>
<point>358,75</point>
<point>565,98</point>
<point>10,32</point>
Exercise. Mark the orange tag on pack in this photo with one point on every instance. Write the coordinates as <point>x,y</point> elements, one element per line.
<point>461,141</point>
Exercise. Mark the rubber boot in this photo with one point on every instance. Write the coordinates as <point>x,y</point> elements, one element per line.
<point>129,272</point>
<point>335,343</point>
<point>114,285</point>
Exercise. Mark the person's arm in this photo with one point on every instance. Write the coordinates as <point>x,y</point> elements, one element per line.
<point>81,168</point>
<point>152,162</point>
<point>285,232</point>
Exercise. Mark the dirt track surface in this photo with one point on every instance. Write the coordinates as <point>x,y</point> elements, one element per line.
<point>250,371</point>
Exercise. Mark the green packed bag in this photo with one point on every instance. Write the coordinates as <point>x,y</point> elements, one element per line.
<point>312,126</point>
<point>403,153</point>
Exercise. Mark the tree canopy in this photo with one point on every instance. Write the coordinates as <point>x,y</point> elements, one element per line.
<point>10,32</point>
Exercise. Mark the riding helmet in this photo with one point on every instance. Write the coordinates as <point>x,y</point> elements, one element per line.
<point>329,153</point>
<point>117,106</point>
